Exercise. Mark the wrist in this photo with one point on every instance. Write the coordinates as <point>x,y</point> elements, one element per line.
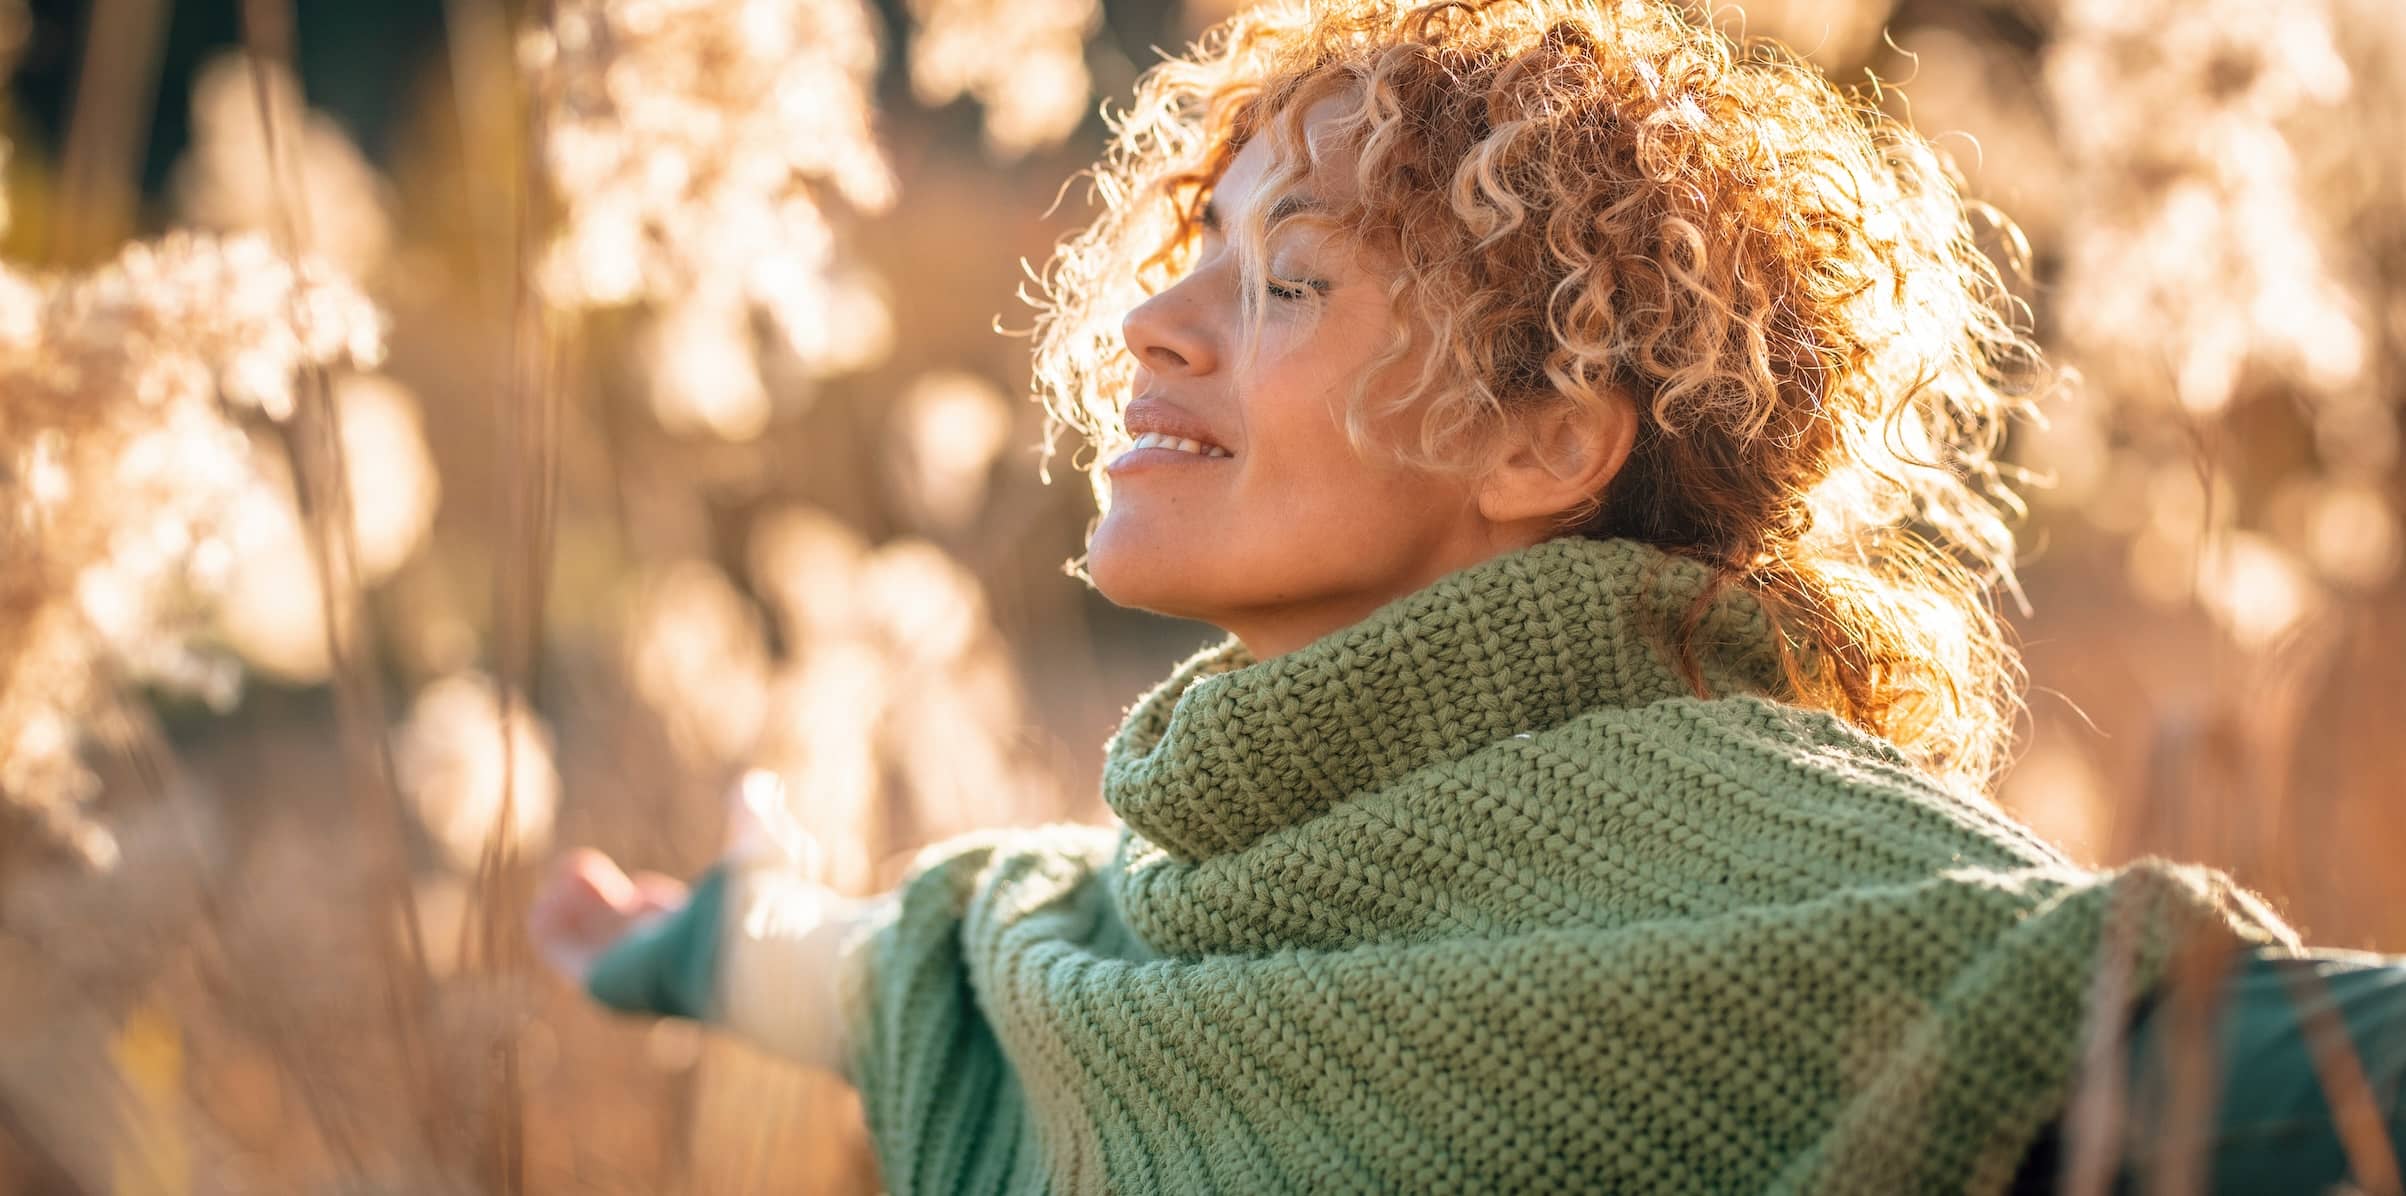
<point>666,964</point>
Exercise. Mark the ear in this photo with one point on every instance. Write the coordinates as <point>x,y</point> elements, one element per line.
<point>1557,457</point>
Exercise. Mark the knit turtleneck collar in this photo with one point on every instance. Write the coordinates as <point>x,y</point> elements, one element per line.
<point>1229,749</point>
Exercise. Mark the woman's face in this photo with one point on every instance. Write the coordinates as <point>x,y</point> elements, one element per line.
<point>1292,535</point>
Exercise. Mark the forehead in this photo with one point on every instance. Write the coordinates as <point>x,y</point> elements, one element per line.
<point>1327,172</point>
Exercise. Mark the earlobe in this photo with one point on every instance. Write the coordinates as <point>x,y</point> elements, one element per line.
<point>1558,458</point>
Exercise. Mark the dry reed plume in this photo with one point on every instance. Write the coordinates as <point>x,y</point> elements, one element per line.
<point>1024,62</point>
<point>693,145</point>
<point>782,543</point>
<point>126,459</point>
<point>156,538</point>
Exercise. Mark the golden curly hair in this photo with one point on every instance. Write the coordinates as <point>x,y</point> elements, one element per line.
<point>1603,202</point>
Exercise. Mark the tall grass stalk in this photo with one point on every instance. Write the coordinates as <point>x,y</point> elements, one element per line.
<point>313,446</point>
<point>100,170</point>
<point>803,579</point>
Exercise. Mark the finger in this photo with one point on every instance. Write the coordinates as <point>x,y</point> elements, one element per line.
<point>592,874</point>
<point>762,828</point>
<point>657,891</point>
<point>585,887</point>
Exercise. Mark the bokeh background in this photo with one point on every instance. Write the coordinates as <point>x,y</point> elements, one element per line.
<point>434,432</point>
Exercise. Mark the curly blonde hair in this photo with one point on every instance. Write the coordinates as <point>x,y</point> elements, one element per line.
<point>1596,203</point>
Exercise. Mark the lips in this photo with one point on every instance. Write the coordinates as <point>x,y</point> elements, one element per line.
<point>1156,450</point>
<point>1151,414</point>
<point>1194,448</point>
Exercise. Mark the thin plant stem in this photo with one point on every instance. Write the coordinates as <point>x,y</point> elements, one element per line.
<point>115,85</point>
<point>2355,1111</point>
<point>313,445</point>
<point>529,461</point>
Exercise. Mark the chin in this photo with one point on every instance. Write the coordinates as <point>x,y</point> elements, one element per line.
<point>1140,573</point>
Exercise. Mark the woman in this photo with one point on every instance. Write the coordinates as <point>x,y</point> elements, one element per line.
<point>1582,430</point>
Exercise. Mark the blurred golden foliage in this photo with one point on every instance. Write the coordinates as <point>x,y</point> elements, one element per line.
<point>1025,62</point>
<point>460,753</point>
<point>693,145</point>
<point>220,184</point>
<point>796,528</point>
<point>126,459</point>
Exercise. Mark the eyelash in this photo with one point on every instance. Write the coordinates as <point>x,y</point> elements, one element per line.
<point>1286,292</point>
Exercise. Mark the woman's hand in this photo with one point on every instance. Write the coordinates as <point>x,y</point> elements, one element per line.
<point>588,903</point>
<point>756,946</point>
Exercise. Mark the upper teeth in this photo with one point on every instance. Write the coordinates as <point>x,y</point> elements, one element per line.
<point>1164,440</point>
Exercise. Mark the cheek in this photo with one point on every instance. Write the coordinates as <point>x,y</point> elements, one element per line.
<point>1312,488</point>
<point>1294,412</point>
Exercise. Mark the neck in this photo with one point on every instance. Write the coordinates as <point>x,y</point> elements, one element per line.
<point>1232,746</point>
<point>1276,629</point>
<point>1279,630</point>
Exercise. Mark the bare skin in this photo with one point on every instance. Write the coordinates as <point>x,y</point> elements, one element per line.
<point>1293,536</point>
<point>1297,534</point>
<point>588,903</point>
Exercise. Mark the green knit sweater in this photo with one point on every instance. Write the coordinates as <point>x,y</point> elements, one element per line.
<point>1476,894</point>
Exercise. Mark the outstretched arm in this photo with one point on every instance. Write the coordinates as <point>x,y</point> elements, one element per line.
<point>755,946</point>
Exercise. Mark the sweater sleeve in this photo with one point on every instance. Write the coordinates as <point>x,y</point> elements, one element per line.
<point>946,1106</point>
<point>668,966</point>
<point>759,950</point>
<point>1018,1038</point>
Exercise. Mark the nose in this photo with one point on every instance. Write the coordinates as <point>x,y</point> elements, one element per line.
<point>1168,334</point>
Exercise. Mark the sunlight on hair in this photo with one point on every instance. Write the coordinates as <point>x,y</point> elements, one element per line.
<point>744,490</point>
<point>1597,204</point>
<point>1973,96</point>
<point>1823,32</point>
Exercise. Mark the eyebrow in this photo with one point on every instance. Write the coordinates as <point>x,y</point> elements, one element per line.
<point>1286,206</point>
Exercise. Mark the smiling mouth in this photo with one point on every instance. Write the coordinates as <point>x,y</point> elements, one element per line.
<point>1167,441</point>
<point>1166,448</point>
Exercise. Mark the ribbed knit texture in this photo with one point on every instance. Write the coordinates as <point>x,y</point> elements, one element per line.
<point>1477,895</point>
